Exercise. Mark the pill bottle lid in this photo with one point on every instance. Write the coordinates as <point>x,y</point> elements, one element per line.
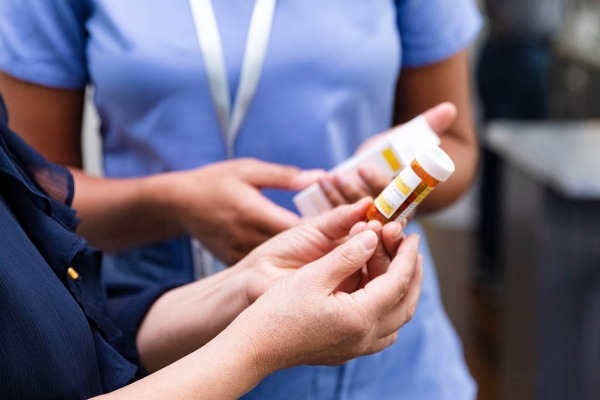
<point>436,162</point>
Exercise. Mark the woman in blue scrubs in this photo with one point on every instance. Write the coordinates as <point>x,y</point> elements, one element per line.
<point>200,105</point>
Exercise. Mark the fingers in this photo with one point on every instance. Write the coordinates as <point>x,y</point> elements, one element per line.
<point>333,195</point>
<point>384,292</point>
<point>441,117</point>
<point>357,228</point>
<point>391,320</point>
<point>373,179</point>
<point>406,308</point>
<point>392,234</point>
<point>388,322</point>
<point>331,270</point>
<point>336,223</point>
<point>266,217</point>
<point>344,188</point>
<point>379,262</point>
<point>263,174</point>
<point>306,178</point>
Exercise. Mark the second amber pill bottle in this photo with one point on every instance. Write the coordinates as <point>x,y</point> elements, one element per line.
<point>430,166</point>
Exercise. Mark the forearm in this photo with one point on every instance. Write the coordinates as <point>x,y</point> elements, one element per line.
<point>186,318</point>
<point>421,88</point>
<point>117,214</point>
<point>225,368</point>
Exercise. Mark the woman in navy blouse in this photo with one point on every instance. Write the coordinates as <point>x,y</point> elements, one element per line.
<point>58,342</point>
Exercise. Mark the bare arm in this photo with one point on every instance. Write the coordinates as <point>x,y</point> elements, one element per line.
<point>50,120</point>
<point>120,213</point>
<point>419,89</point>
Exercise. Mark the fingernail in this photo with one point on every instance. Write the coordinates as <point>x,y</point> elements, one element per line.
<point>399,232</point>
<point>402,222</point>
<point>374,225</point>
<point>418,238</point>
<point>367,238</point>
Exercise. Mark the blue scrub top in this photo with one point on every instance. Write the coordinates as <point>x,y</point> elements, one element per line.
<point>327,84</point>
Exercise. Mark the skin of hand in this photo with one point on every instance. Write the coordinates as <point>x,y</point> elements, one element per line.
<point>221,204</point>
<point>186,318</point>
<point>344,188</point>
<point>303,319</point>
<point>314,238</point>
<point>441,91</point>
<point>117,214</point>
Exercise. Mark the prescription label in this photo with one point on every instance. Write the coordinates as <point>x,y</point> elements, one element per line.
<point>394,195</point>
<point>415,203</point>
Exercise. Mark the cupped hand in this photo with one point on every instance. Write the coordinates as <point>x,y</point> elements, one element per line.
<point>389,237</point>
<point>223,207</point>
<point>300,245</point>
<point>304,319</point>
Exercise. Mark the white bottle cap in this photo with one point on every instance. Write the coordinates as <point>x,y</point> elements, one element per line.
<point>435,162</point>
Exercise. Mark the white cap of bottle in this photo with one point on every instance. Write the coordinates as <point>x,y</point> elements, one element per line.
<point>435,162</point>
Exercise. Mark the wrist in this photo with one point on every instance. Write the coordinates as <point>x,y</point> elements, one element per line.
<point>252,333</point>
<point>162,196</point>
<point>190,316</point>
<point>245,278</point>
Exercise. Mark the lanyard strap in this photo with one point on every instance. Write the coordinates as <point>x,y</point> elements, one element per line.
<point>230,118</point>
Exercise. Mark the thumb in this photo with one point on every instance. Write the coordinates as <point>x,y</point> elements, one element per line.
<point>329,271</point>
<point>441,117</point>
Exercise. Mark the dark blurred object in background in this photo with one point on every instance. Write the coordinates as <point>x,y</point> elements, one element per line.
<point>513,75</point>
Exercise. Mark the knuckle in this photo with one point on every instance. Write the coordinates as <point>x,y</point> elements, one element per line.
<point>404,284</point>
<point>349,257</point>
<point>357,326</point>
<point>410,312</point>
<point>393,338</point>
<point>244,209</point>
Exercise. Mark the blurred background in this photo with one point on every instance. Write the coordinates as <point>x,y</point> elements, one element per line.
<point>519,256</point>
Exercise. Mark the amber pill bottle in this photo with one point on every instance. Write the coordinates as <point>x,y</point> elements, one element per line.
<point>409,188</point>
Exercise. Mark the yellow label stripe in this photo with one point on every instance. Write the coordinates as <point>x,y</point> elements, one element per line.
<point>391,159</point>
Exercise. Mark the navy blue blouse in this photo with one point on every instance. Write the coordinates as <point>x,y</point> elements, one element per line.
<point>58,336</point>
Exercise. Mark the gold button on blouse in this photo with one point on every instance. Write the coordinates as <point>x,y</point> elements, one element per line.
<point>72,273</point>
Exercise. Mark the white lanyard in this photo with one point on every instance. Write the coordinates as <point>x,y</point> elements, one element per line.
<point>207,31</point>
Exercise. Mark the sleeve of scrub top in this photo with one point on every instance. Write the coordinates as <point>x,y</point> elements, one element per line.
<point>432,30</point>
<point>43,41</point>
